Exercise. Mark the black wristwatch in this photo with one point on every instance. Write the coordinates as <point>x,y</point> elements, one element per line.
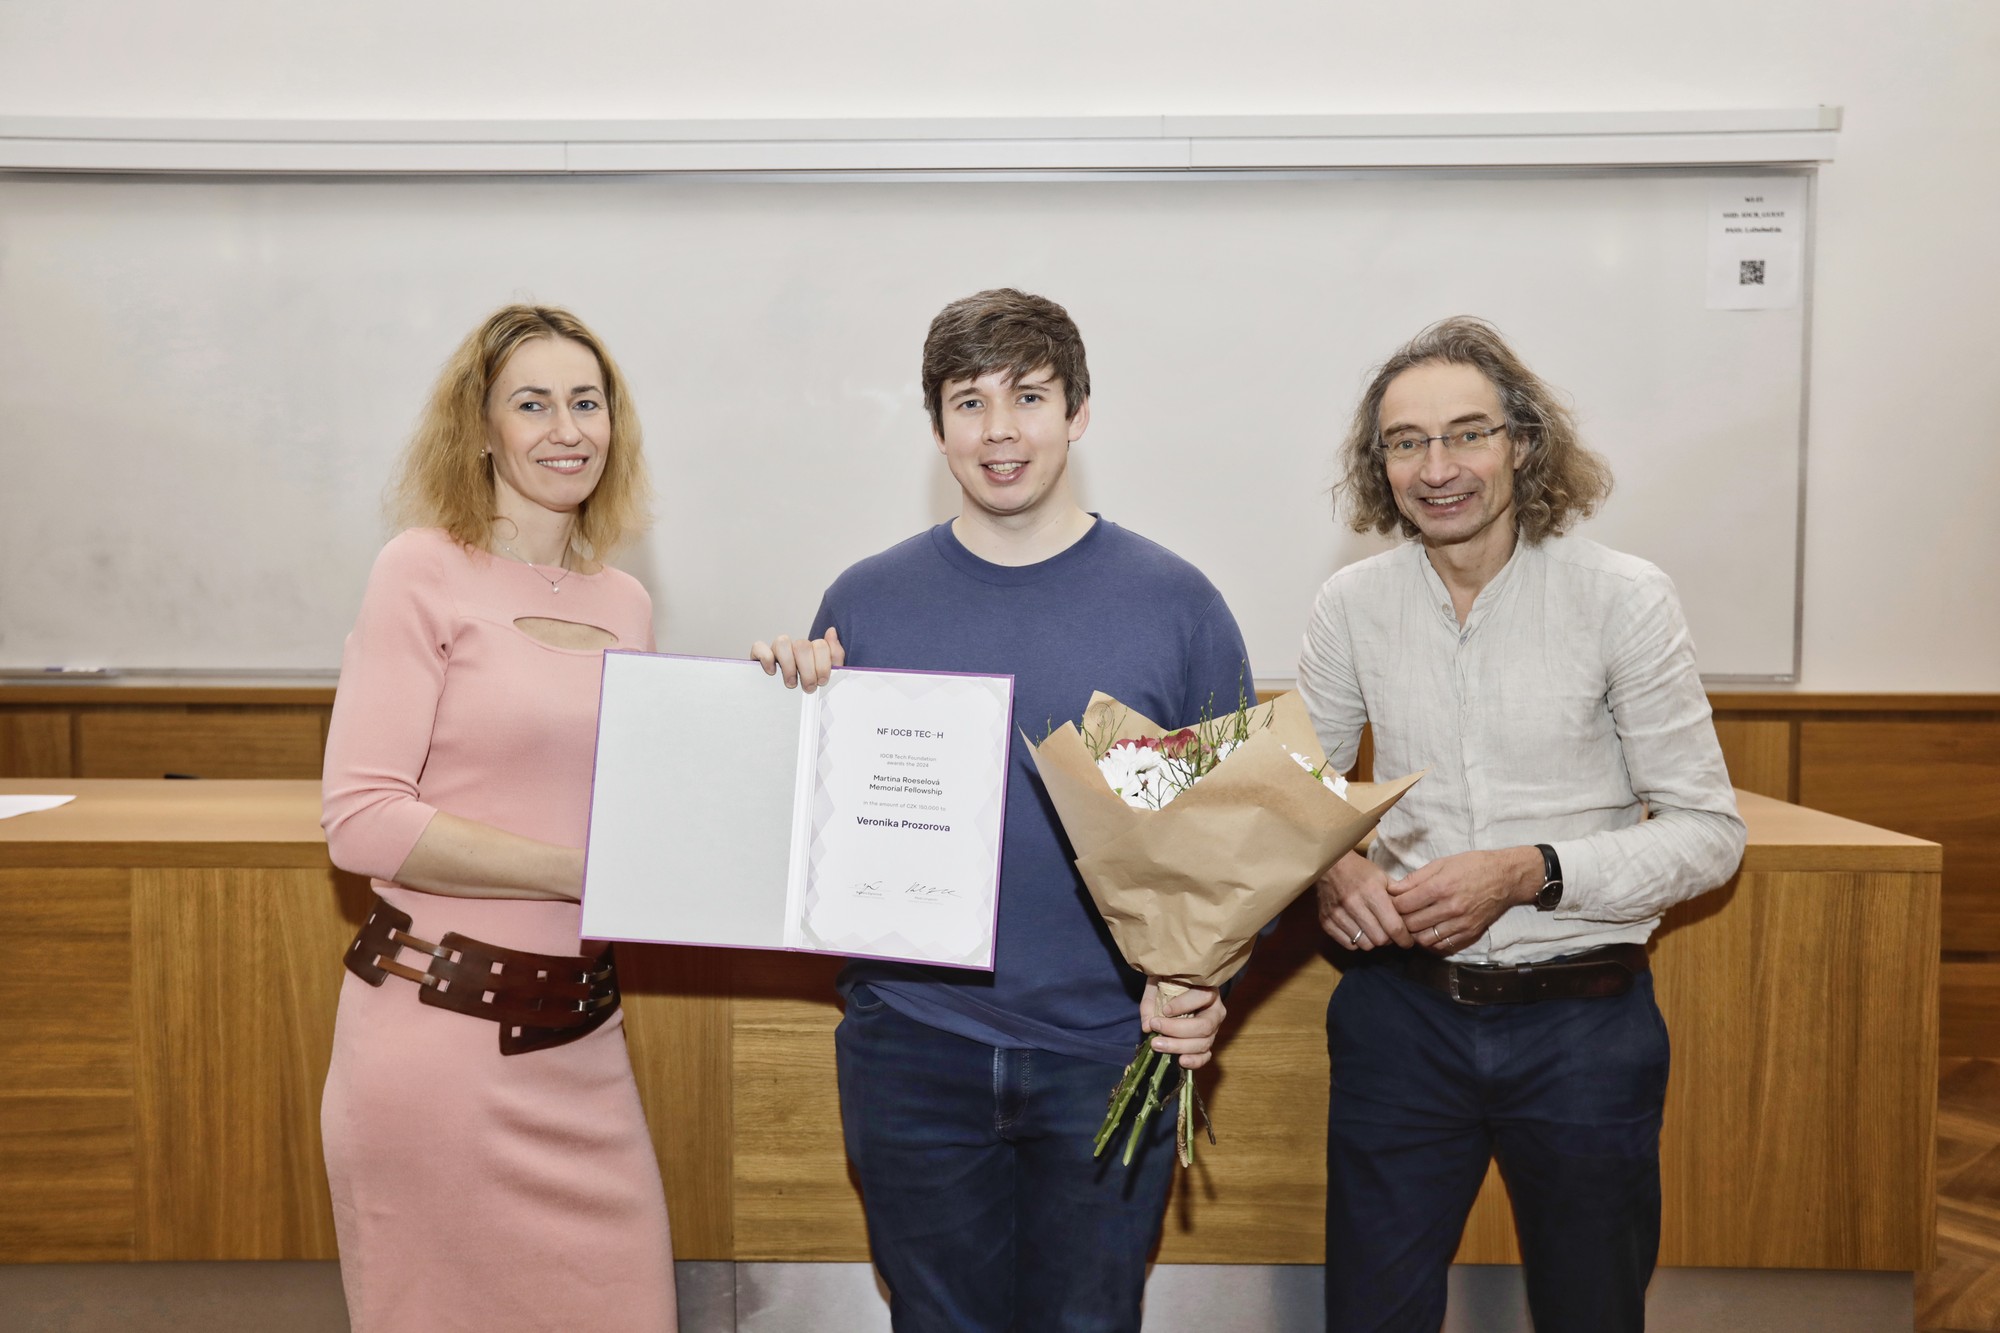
<point>1551,894</point>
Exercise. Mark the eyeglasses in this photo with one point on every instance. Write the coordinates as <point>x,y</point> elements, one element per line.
<point>1459,443</point>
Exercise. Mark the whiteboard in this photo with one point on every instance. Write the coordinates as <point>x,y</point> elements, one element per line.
<point>207,381</point>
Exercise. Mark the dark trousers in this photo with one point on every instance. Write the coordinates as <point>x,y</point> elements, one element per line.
<point>986,1212</point>
<point>1566,1094</point>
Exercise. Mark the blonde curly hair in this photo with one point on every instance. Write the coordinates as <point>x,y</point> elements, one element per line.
<point>446,480</point>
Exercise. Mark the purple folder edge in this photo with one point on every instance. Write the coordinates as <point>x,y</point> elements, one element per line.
<point>1006,778</point>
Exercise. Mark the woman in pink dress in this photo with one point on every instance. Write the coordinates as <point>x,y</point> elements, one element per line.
<point>490,1164</point>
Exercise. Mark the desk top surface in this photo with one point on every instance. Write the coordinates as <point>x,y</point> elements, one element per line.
<point>1791,837</point>
<point>137,822</point>
<point>196,823</point>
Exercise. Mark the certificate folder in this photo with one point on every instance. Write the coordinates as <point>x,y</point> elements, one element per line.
<point>862,819</point>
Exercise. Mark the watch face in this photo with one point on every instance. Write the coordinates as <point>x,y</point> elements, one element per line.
<point>1550,896</point>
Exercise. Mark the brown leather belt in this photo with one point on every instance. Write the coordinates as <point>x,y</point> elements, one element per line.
<point>538,999</point>
<point>1593,974</point>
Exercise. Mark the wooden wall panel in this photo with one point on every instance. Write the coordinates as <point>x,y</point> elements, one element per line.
<point>1699,949</point>
<point>1933,779</point>
<point>1489,1233</point>
<point>66,1002</point>
<point>66,1174</point>
<point>1781,1083</point>
<point>1969,1009</point>
<point>66,1067</point>
<point>677,1027</point>
<point>34,743</point>
<point>235,978</point>
<point>1759,755</point>
<point>1258,1194</point>
<point>795,1198</point>
<point>156,742</point>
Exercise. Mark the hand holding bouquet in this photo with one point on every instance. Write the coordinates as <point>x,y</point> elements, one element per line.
<point>1190,841</point>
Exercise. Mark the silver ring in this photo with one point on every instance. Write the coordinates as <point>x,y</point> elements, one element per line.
<point>1436,938</point>
<point>1357,936</point>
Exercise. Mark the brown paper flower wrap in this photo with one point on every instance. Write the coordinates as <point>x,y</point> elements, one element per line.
<point>1185,888</point>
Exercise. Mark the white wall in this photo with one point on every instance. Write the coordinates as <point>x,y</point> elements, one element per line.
<point>1903,548</point>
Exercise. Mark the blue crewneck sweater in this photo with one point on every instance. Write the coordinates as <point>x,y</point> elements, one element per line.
<point>1113,612</point>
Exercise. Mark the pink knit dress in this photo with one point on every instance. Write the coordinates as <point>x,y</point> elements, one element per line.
<point>471,1190</point>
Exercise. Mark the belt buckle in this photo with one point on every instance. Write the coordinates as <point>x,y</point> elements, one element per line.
<point>1487,988</point>
<point>1457,975</point>
<point>375,950</point>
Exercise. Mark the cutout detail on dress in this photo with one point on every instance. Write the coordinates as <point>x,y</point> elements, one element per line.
<point>564,633</point>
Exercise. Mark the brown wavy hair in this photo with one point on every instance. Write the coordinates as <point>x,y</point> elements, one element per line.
<point>1561,482</point>
<point>446,479</point>
<point>1003,329</point>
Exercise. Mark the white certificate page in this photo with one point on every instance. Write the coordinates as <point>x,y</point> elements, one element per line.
<point>864,819</point>
<point>908,795</point>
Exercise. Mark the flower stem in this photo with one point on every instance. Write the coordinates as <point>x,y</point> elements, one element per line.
<point>1184,1121</point>
<point>1150,1105</point>
<point>1121,1096</point>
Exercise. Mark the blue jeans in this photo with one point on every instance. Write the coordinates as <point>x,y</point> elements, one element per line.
<point>1566,1094</point>
<point>986,1212</point>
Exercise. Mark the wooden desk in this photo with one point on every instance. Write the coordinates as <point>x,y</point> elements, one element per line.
<point>174,962</point>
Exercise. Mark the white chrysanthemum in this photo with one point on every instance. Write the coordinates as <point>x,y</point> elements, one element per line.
<point>1332,781</point>
<point>1144,777</point>
<point>1138,774</point>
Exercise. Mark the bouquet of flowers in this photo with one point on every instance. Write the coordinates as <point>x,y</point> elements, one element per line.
<point>1190,840</point>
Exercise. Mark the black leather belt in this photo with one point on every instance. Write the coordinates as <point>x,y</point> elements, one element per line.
<point>1594,974</point>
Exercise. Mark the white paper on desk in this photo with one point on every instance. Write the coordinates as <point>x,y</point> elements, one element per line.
<point>863,819</point>
<point>28,805</point>
<point>1756,243</point>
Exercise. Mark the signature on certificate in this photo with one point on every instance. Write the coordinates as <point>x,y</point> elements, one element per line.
<point>929,893</point>
<point>869,888</point>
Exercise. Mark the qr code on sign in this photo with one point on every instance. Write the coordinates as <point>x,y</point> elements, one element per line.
<point>1751,273</point>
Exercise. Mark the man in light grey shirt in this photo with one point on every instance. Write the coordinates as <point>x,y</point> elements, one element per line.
<point>1503,1006</point>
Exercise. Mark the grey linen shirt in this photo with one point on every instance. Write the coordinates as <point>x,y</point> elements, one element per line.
<point>1567,710</point>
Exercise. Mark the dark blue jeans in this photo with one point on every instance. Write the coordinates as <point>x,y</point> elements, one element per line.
<point>1566,1094</point>
<point>986,1212</point>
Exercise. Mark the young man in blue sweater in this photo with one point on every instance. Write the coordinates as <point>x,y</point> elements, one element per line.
<point>970,1101</point>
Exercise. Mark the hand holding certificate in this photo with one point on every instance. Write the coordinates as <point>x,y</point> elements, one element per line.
<point>862,819</point>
